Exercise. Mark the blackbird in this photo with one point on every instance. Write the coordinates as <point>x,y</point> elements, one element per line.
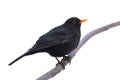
<point>59,41</point>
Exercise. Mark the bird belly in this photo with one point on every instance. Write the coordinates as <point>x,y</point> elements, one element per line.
<point>60,50</point>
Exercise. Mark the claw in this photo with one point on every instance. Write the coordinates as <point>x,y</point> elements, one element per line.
<point>67,58</point>
<point>62,64</point>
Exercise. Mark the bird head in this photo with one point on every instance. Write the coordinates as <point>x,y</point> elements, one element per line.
<point>75,21</point>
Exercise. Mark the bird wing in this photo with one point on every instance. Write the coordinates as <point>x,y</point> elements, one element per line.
<point>52,38</point>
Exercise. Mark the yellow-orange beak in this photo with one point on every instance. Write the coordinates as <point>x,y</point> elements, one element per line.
<point>83,20</point>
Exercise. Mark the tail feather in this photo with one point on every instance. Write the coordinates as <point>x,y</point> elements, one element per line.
<point>17,59</point>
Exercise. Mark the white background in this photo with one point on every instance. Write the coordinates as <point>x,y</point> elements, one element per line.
<point>22,22</point>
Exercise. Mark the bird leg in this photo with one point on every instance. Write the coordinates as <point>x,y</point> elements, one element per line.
<point>61,63</point>
<point>57,59</point>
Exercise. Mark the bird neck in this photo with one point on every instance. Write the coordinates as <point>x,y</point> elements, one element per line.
<point>73,26</point>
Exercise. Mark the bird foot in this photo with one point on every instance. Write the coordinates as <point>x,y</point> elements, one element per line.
<point>62,64</point>
<point>67,58</point>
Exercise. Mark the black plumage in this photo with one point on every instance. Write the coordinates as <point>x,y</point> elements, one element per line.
<point>59,41</point>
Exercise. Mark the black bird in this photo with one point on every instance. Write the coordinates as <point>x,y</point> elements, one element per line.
<point>59,41</point>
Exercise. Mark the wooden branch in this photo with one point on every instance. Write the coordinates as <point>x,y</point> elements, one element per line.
<point>58,68</point>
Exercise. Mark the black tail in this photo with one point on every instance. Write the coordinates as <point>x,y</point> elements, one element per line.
<point>17,59</point>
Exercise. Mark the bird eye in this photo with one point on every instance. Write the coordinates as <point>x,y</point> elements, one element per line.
<point>74,22</point>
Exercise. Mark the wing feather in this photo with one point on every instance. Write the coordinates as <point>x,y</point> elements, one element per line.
<point>51,38</point>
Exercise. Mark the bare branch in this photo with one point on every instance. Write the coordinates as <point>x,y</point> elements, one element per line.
<point>58,68</point>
